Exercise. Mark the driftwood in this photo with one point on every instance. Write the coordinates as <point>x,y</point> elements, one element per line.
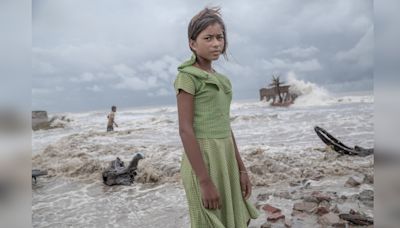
<point>339,147</point>
<point>118,174</point>
<point>38,173</point>
<point>357,219</point>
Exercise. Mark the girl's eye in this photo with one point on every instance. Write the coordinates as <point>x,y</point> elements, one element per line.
<point>207,38</point>
<point>220,38</point>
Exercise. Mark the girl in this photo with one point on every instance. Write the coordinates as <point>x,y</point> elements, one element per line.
<point>215,179</point>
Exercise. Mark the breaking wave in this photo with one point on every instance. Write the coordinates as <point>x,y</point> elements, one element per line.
<point>310,94</point>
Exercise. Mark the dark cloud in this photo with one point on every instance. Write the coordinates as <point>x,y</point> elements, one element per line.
<point>87,56</point>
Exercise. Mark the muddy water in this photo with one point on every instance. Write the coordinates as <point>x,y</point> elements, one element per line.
<point>278,146</point>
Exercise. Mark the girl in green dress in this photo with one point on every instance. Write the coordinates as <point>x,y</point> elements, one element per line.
<point>215,179</point>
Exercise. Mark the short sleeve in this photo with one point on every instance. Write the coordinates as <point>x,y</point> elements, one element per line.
<point>185,83</point>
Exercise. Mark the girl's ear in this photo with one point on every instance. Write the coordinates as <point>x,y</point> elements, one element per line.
<point>192,45</point>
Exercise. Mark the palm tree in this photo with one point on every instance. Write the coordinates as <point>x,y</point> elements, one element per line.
<point>277,83</point>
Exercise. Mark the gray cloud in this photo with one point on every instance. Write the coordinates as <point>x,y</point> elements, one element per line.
<point>361,54</point>
<point>300,66</point>
<point>299,52</point>
<point>124,52</point>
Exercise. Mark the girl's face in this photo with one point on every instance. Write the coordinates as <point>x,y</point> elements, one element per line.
<point>209,43</point>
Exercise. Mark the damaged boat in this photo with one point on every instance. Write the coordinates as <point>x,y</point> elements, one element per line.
<point>339,147</point>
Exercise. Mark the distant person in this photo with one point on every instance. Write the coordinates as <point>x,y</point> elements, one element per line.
<point>215,179</point>
<point>111,119</point>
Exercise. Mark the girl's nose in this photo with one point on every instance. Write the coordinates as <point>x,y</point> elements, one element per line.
<point>217,43</point>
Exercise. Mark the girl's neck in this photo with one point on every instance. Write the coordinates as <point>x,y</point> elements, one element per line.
<point>203,64</point>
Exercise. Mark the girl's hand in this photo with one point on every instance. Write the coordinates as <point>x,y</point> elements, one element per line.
<point>245,185</point>
<point>209,195</point>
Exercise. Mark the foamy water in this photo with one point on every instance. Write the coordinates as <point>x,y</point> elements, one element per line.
<point>278,145</point>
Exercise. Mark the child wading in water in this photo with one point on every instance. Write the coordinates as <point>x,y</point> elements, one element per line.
<point>111,119</point>
<point>215,179</point>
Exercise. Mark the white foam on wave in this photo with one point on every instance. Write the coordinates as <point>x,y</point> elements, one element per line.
<point>310,94</point>
<point>278,145</point>
<point>356,99</point>
<point>247,104</point>
<point>156,135</point>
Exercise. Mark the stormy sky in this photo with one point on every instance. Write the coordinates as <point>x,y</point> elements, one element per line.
<point>89,55</point>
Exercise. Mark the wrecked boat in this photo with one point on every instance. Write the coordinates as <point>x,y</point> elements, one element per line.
<point>339,147</point>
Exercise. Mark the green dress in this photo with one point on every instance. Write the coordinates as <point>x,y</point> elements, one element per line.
<point>212,97</point>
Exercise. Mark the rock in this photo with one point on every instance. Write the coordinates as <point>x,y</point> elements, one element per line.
<point>270,209</point>
<point>257,169</point>
<point>329,219</point>
<point>299,214</point>
<point>263,197</point>
<point>40,120</point>
<point>305,206</point>
<point>320,196</point>
<point>288,223</point>
<point>275,216</point>
<point>367,197</point>
<point>321,211</point>
<point>357,219</point>
<point>325,204</point>
<point>266,225</point>
<point>353,212</point>
<point>310,199</point>
<point>284,194</point>
<point>342,199</point>
<point>39,115</point>
<point>335,209</point>
<point>368,179</point>
<point>118,174</point>
<point>353,182</point>
<point>296,213</point>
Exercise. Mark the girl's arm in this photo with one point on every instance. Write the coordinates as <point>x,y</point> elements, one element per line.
<point>244,178</point>
<point>209,192</point>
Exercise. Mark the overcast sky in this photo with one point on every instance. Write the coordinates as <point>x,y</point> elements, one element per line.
<point>88,55</point>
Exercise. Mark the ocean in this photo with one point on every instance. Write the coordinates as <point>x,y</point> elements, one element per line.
<point>278,146</point>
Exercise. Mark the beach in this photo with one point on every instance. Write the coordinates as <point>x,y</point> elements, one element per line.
<point>286,161</point>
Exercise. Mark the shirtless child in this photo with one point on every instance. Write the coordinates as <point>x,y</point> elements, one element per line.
<point>111,117</point>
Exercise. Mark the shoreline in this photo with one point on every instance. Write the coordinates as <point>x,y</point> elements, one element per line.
<point>282,192</point>
<point>286,160</point>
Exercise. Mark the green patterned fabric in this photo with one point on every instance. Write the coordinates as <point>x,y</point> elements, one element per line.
<point>212,98</point>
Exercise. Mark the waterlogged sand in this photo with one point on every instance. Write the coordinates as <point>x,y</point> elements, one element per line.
<point>286,160</point>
